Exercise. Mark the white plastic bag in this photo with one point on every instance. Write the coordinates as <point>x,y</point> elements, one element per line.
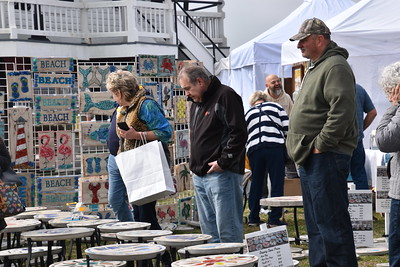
<point>145,173</point>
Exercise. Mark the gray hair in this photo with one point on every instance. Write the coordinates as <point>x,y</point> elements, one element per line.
<point>256,96</point>
<point>194,72</point>
<point>390,77</point>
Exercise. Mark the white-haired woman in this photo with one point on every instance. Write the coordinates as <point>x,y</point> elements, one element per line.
<point>388,140</point>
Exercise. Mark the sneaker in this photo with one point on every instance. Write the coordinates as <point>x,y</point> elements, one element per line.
<point>255,223</point>
<point>276,223</point>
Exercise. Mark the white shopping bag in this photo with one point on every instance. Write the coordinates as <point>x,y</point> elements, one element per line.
<point>145,173</point>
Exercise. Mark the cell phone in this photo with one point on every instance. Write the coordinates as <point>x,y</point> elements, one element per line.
<point>123,126</point>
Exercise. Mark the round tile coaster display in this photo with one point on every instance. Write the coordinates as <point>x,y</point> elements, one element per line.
<point>20,253</point>
<point>382,264</point>
<point>58,233</point>
<point>182,240</point>
<point>298,256</point>
<point>215,248</point>
<point>90,223</point>
<point>21,225</point>
<point>295,263</point>
<point>122,226</point>
<point>295,250</point>
<point>374,251</point>
<point>127,252</point>
<point>145,235</point>
<point>94,263</point>
<point>218,260</point>
<point>45,217</point>
<point>31,214</point>
<point>64,221</point>
<point>35,208</point>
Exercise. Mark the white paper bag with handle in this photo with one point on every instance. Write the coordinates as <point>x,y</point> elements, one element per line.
<point>145,173</point>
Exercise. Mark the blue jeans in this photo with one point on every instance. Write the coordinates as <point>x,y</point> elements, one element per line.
<point>394,233</point>
<point>325,200</point>
<point>357,163</point>
<point>117,197</point>
<point>219,198</point>
<point>268,160</point>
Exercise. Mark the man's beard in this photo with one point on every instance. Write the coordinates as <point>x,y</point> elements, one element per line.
<point>277,91</point>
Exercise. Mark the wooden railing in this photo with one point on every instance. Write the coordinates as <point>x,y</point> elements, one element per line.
<point>133,20</point>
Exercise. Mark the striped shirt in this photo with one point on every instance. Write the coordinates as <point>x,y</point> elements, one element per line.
<point>262,132</point>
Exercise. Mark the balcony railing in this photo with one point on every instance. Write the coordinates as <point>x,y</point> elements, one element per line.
<point>88,22</point>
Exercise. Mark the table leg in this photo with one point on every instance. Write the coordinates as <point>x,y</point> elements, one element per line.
<point>78,248</point>
<point>130,264</point>
<point>49,253</point>
<point>296,226</point>
<point>87,261</point>
<point>28,260</point>
<point>173,253</point>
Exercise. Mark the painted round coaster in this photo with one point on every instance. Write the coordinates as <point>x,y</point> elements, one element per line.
<point>382,264</point>
<point>64,221</point>
<point>35,208</point>
<point>122,226</point>
<point>90,223</point>
<point>21,225</point>
<point>376,251</point>
<point>31,214</point>
<point>58,234</point>
<point>215,248</point>
<point>295,250</point>
<point>128,252</point>
<point>298,256</point>
<point>45,217</point>
<point>218,260</point>
<point>182,240</point>
<point>295,262</point>
<point>146,235</point>
<point>380,240</point>
<point>94,263</point>
<point>19,253</point>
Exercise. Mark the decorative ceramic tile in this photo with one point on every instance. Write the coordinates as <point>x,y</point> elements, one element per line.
<point>65,149</point>
<point>94,133</point>
<point>93,263</point>
<point>57,183</point>
<point>52,64</point>
<point>93,190</point>
<point>19,86</point>
<point>26,191</point>
<point>183,177</point>
<point>97,103</point>
<point>21,137</point>
<point>129,252</point>
<point>122,226</point>
<point>167,90</point>
<point>166,66</point>
<point>53,80</point>
<point>95,164</point>
<point>2,102</point>
<point>55,102</point>
<point>153,90</point>
<point>219,260</point>
<point>182,240</point>
<point>185,207</point>
<point>167,213</point>
<point>55,117</point>
<point>180,109</point>
<point>148,65</point>
<point>58,233</point>
<point>103,71</point>
<point>57,199</point>
<point>83,76</point>
<point>182,143</point>
<point>47,154</point>
<point>186,63</point>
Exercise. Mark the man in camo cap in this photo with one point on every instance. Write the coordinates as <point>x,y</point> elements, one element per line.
<point>322,136</point>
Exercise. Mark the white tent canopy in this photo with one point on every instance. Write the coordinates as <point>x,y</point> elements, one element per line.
<point>251,62</point>
<point>370,31</point>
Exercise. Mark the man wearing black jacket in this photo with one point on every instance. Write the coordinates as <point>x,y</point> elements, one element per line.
<point>218,136</point>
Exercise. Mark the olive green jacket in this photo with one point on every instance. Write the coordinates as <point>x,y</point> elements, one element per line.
<point>324,113</point>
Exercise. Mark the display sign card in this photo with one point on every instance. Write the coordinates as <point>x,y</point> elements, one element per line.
<point>52,64</point>
<point>360,210</point>
<point>41,80</point>
<point>382,203</point>
<point>271,246</point>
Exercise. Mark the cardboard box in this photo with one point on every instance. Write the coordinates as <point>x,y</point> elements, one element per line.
<point>292,187</point>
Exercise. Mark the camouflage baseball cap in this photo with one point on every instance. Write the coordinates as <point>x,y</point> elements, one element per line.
<point>311,26</point>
